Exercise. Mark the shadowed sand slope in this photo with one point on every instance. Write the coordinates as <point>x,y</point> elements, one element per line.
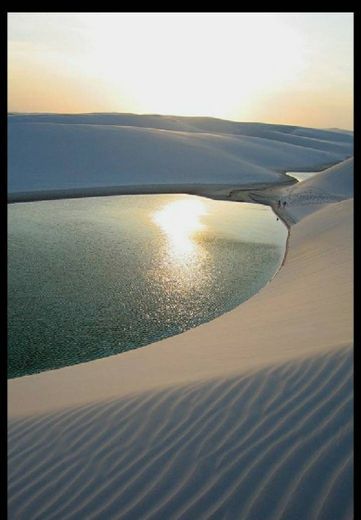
<point>321,139</point>
<point>336,180</point>
<point>275,443</point>
<point>50,152</point>
<point>330,185</point>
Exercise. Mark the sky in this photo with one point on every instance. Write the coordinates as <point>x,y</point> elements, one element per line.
<point>285,68</point>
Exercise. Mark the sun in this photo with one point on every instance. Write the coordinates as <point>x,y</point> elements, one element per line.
<point>177,75</point>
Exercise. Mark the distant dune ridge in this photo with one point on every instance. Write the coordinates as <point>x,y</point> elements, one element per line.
<point>67,152</point>
<point>249,416</point>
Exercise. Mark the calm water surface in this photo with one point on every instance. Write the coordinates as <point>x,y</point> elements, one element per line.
<point>90,278</point>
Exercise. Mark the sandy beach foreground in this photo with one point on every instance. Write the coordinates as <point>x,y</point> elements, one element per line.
<point>249,416</point>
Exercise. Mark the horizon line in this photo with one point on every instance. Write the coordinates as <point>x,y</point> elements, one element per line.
<point>15,112</point>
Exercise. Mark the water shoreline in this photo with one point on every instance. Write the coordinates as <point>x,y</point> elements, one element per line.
<point>243,276</point>
<point>249,194</point>
<point>215,191</point>
<point>236,195</point>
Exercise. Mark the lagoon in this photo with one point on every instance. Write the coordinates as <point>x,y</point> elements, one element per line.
<point>94,277</point>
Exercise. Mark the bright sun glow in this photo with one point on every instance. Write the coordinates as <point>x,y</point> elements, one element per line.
<point>180,220</point>
<point>295,68</point>
<point>184,77</point>
<point>188,64</point>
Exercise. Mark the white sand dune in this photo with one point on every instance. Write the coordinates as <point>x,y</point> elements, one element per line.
<point>328,138</point>
<point>50,152</point>
<point>330,185</point>
<point>334,183</point>
<point>247,417</point>
<point>276,443</point>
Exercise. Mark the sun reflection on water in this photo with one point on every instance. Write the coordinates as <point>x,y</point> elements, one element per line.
<point>180,222</point>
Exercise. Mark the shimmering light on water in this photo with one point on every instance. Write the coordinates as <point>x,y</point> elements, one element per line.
<point>90,278</point>
<point>180,221</point>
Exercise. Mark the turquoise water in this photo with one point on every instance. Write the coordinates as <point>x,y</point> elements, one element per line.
<point>89,278</point>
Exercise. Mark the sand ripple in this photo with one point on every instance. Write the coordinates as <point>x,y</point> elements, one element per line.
<point>274,444</point>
